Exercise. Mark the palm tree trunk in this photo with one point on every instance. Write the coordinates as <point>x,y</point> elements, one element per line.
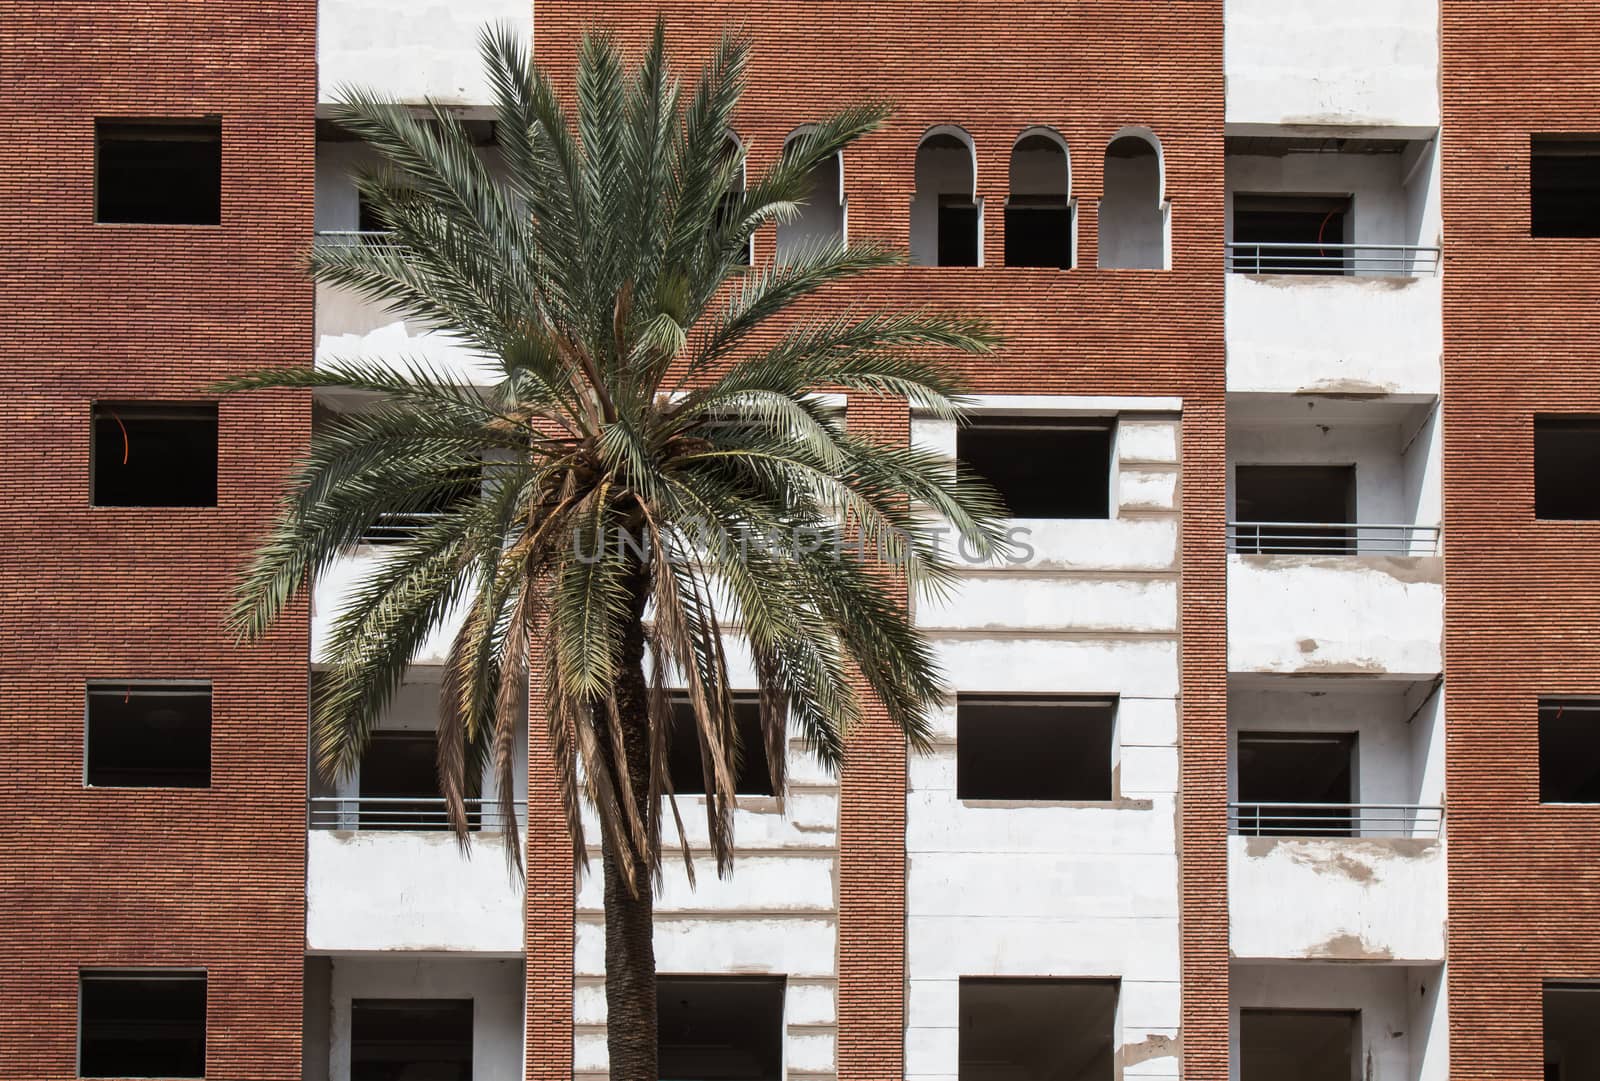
<point>630,948</point>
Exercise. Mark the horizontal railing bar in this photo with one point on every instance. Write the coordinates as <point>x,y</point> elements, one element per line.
<point>1335,525</point>
<point>1317,245</point>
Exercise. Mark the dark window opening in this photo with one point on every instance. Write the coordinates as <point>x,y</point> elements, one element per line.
<point>1042,467</point>
<point>1571,1031</point>
<point>719,1028</point>
<point>399,779</point>
<point>158,172</point>
<point>1282,508</point>
<point>1034,748</point>
<point>1564,185</point>
<point>1297,784</point>
<point>1307,1045</point>
<point>1262,224</point>
<point>1037,1030</point>
<point>729,203</point>
<point>753,776</point>
<point>143,735</point>
<point>958,231</point>
<point>1038,232</point>
<point>1569,750</point>
<point>367,218</point>
<point>142,1024</point>
<point>1566,463</point>
<point>154,455</point>
<point>410,1039</point>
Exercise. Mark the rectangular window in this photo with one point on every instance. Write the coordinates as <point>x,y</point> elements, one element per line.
<point>148,735</point>
<point>1290,234</point>
<point>1564,186</point>
<point>140,1023</point>
<point>1016,748</point>
<point>400,526</point>
<point>719,1028</point>
<point>1296,784</point>
<point>158,172</point>
<point>1307,1045</point>
<point>1043,467</point>
<point>397,1039</point>
<point>1566,461</point>
<point>1571,1031</point>
<point>958,231</point>
<point>150,455</point>
<point>399,782</point>
<point>1039,231</point>
<point>1282,508</point>
<point>1569,750</point>
<point>753,777</point>
<point>1037,1029</point>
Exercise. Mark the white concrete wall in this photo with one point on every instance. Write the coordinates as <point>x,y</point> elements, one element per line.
<point>776,914</point>
<point>1332,61</point>
<point>495,987</point>
<point>1335,614</point>
<point>1386,995</point>
<point>411,51</point>
<point>1428,992</point>
<point>1336,898</point>
<point>1051,889</point>
<point>393,891</point>
<point>329,595</point>
<point>1336,335</point>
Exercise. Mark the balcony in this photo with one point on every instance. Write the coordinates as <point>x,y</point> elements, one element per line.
<point>1334,544</point>
<point>411,52</point>
<point>1319,1021</point>
<point>1333,258</point>
<point>348,325</point>
<point>1350,62</point>
<point>1336,849</point>
<point>383,869</point>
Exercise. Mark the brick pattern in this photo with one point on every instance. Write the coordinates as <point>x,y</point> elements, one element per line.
<point>1522,613</point>
<point>550,899</point>
<point>210,878</point>
<point>1087,70</point>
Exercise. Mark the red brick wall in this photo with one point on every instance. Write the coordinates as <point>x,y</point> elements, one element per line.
<point>1522,608</point>
<point>1088,70</point>
<point>209,878</point>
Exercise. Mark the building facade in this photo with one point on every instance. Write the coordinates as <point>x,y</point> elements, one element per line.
<point>1275,756</point>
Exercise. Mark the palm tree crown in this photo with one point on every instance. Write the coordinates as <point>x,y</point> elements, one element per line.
<point>657,471</point>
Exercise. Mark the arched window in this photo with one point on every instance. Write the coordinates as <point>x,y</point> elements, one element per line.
<point>946,215</point>
<point>733,148</point>
<point>1039,209</point>
<point>823,212</point>
<point>1133,211</point>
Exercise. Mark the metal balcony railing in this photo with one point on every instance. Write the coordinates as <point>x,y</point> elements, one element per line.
<point>1335,820</point>
<point>401,813</point>
<point>396,528</point>
<point>1332,538</point>
<point>1352,260</point>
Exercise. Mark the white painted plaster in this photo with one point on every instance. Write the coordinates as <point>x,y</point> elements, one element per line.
<point>821,219</point>
<point>1313,62</point>
<point>1390,998</point>
<point>412,51</point>
<point>380,890</point>
<point>495,987</point>
<point>330,593</point>
<point>1337,898</point>
<point>1328,614</point>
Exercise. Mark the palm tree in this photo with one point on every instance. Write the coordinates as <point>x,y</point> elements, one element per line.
<point>656,473</point>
